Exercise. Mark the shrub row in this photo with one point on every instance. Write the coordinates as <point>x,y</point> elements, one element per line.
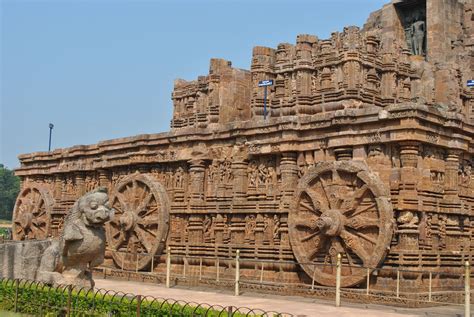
<point>39,299</point>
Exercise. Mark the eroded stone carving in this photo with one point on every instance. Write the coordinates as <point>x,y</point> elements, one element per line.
<point>81,247</point>
<point>341,208</point>
<point>361,103</point>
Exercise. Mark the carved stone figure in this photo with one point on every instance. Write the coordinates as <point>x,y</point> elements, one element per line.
<point>178,177</point>
<point>418,37</point>
<point>81,246</point>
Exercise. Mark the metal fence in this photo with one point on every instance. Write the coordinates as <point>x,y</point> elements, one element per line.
<point>402,287</point>
<point>39,299</point>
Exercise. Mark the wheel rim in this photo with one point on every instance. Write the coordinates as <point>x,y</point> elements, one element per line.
<point>340,207</point>
<point>32,214</point>
<point>140,224</point>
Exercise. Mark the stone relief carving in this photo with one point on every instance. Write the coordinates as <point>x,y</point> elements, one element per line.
<point>360,97</point>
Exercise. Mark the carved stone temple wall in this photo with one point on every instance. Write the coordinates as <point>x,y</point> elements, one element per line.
<point>367,151</point>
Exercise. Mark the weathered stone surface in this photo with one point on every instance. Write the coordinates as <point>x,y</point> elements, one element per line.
<point>21,259</point>
<point>81,246</point>
<point>385,108</point>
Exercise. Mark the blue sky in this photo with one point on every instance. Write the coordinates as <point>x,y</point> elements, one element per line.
<point>103,69</point>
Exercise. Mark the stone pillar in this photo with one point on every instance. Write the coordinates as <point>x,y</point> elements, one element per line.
<point>343,153</point>
<point>263,60</point>
<point>240,181</point>
<point>197,170</point>
<point>58,185</point>
<point>454,231</point>
<point>408,217</point>
<point>80,184</point>
<point>388,79</point>
<point>451,177</point>
<point>103,178</point>
<point>289,177</point>
<point>303,67</point>
<point>195,229</point>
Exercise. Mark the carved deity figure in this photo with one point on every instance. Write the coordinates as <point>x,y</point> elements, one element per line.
<point>262,174</point>
<point>81,246</point>
<point>207,228</point>
<point>418,37</point>
<point>69,187</point>
<point>250,225</point>
<point>253,174</point>
<point>178,177</point>
<point>276,228</point>
<point>227,171</point>
<point>418,33</point>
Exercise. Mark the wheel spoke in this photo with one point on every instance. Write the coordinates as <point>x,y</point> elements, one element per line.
<point>316,200</point>
<point>144,203</point>
<point>142,236</point>
<point>310,236</point>
<point>351,203</point>
<point>364,236</point>
<point>148,222</point>
<point>323,186</point>
<point>364,209</point>
<point>153,209</point>
<point>135,190</point>
<point>116,245</point>
<point>306,206</point>
<point>349,258</point>
<point>359,193</point>
<point>39,228</point>
<point>353,244</point>
<point>39,222</point>
<point>319,242</point>
<point>362,223</point>
<point>305,226</point>
<point>37,206</point>
<point>336,178</point>
<point>123,201</point>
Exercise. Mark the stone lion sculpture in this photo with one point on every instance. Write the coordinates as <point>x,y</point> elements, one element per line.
<point>81,246</point>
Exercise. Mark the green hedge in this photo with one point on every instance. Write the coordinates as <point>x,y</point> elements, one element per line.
<point>4,232</point>
<point>41,300</point>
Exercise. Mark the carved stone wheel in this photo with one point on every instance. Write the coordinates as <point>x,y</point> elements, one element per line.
<point>32,213</point>
<point>340,207</point>
<point>141,220</point>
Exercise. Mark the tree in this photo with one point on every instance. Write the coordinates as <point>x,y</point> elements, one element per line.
<point>9,189</point>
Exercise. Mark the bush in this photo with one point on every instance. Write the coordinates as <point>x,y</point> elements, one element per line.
<point>38,299</point>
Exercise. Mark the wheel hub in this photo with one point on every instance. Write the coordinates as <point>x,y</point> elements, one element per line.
<point>331,223</point>
<point>26,219</point>
<point>128,221</point>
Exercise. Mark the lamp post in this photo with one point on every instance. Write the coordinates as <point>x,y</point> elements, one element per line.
<point>265,84</point>
<point>51,126</point>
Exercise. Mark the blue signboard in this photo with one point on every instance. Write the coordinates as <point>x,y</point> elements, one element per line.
<point>264,83</point>
<point>470,83</point>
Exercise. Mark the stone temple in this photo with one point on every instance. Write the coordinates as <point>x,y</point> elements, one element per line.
<point>366,150</point>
